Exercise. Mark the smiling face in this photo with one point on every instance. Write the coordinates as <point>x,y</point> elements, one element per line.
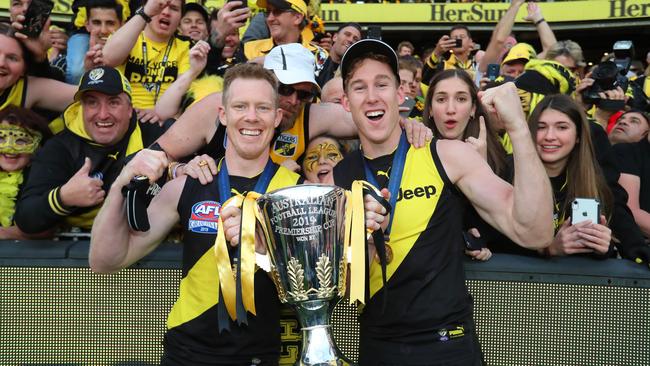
<point>230,44</point>
<point>106,117</point>
<point>193,25</point>
<point>630,127</point>
<point>345,38</point>
<point>373,97</point>
<point>250,117</point>
<point>451,108</point>
<point>321,157</point>
<point>283,24</point>
<point>12,63</point>
<point>102,22</point>
<point>556,138</point>
<point>165,24</point>
<point>10,160</point>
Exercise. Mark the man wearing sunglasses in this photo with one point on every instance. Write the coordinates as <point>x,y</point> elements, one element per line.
<point>302,120</point>
<point>287,23</point>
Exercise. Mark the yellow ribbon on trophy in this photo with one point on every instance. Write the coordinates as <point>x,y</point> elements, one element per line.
<point>355,238</point>
<point>227,278</point>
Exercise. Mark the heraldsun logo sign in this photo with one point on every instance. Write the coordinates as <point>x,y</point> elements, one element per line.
<point>204,217</point>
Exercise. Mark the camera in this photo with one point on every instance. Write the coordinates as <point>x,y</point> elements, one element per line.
<point>609,75</point>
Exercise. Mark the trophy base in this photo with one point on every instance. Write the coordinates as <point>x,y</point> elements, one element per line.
<point>318,347</point>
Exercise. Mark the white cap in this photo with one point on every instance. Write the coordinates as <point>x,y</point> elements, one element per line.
<point>292,63</point>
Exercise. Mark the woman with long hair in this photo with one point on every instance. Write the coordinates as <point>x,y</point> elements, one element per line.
<point>453,112</point>
<point>563,141</point>
<point>16,88</point>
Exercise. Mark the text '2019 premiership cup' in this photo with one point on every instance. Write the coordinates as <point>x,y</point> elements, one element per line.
<point>304,232</point>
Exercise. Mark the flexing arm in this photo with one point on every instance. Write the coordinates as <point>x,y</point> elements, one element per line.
<point>499,36</point>
<point>113,245</point>
<point>40,94</point>
<point>193,129</point>
<point>169,103</point>
<point>632,185</point>
<point>507,208</point>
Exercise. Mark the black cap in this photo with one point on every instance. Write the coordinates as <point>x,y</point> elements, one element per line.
<point>199,9</point>
<point>365,47</point>
<point>105,80</point>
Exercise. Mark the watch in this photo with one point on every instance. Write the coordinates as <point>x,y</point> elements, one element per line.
<point>140,12</point>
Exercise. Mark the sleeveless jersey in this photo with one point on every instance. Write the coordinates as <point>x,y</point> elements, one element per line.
<point>425,279</point>
<point>16,95</point>
<point>193,334</point>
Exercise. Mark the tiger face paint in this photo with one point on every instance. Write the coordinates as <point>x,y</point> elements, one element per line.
<point>320,160</point>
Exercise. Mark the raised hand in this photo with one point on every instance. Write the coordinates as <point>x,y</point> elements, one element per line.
<point>479,144</point>
<point>81,190</point>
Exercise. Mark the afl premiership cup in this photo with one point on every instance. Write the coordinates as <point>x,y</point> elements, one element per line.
<point>304,232</point>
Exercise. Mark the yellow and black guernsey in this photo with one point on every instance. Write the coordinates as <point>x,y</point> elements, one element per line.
<point>193,336</point>
<point>40,207</point>
<point>16,95</point>
<point>428,303</point>
<point>291,144</point>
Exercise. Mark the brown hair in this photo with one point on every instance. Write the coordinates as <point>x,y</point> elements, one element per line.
<point>25,118</point>
<point>496,154</point>
<point>583,175</point>
<point>7,30</point>
<point>249,71</point>
<point>356,63</point>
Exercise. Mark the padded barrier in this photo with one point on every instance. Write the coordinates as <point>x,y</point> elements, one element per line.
<point>529,311</point>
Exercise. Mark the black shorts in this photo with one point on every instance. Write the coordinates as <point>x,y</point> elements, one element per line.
<point>464,351</point>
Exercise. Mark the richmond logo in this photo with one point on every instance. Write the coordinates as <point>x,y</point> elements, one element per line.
<point>407,194</point>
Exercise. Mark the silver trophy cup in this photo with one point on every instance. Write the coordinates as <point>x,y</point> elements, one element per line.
<point>304,228</point>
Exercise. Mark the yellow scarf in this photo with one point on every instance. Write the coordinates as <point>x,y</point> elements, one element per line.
<point>9,184</point>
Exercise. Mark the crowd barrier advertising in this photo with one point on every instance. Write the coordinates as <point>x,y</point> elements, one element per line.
<point>441,12</point>
<point>529,311</point>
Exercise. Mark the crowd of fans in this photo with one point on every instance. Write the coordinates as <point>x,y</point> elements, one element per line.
<point>74,105</point>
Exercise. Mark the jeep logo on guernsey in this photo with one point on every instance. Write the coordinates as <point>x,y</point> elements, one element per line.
<point>407,194</point>
<point>204,217</point>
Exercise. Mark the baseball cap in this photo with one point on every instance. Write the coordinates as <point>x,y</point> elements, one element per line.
<point>292,63</point>
<point>197,8</point>
<point>105,80</point>
<point>298,6</point>
<point>520,51</point>
<point>365,47</point>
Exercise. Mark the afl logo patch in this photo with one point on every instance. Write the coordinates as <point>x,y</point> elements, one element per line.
<point>204,217</point>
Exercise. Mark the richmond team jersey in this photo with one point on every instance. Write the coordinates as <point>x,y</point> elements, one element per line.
<point>144,84</point>
<point>16,95</point>
<point>193,336</point>
<point>425,279</point>
<point>291,144</point>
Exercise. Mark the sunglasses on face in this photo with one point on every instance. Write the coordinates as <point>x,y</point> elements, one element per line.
<point>276,12</point>
<point>303,95</point>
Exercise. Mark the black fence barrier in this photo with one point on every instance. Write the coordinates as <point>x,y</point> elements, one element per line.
<point>529,311</point>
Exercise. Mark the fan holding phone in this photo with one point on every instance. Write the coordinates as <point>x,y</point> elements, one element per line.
<point>31,21</point>
<point>580,191</point>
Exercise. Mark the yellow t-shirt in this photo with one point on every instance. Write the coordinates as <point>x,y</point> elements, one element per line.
<point>149,83</point>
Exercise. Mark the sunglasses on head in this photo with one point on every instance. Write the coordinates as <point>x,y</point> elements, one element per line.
<point>288,90</point>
